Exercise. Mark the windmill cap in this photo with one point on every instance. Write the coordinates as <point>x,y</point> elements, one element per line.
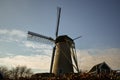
<point>63,38</point>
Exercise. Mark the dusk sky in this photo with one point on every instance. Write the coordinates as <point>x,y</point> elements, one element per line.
<point>97,21</point>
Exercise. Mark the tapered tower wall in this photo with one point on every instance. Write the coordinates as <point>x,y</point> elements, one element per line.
<point>62,60</point>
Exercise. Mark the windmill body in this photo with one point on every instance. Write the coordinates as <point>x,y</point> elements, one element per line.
<point>62,59</point>
<point>63,53</point>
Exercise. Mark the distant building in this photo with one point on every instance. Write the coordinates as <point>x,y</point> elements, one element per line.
<point>101,68</point>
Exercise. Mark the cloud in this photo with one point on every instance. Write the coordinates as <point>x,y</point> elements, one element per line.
<point>13,32</point>
<point>39,55</point>
<point>39,62</point>
<point>18,40</point>
<point>38,48</point>
<point>87,58</point>
<point>36,45</point>
<point>12,35</point>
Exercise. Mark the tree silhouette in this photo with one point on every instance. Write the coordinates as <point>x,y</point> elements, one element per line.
<point>20,72</point>
<point>4,72</point>
<point>15,73</point>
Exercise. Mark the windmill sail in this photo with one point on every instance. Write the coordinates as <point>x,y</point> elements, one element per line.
<point>74,55</point>
<point>39,38</point>
<point>77,37</point>
<point>58,20</point>
<point>54,49</point>
<point>52,59</point>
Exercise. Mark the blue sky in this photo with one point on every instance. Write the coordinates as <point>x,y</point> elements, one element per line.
<point>97,21</point>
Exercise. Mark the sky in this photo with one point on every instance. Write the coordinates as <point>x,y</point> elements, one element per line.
<point>97,21</point>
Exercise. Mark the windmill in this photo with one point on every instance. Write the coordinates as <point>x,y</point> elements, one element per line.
<point>64,53</point>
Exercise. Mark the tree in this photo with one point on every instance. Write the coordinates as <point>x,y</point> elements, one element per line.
<point>20,71</point>
<point>15,73</point>
<point>4,72</point>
